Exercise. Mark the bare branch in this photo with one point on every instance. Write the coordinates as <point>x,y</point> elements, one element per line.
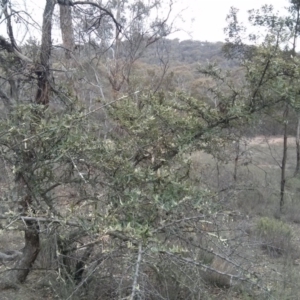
<point>9,29</point>
<point>71,3</point>
<point>4,44</point>
<point>43,220</point>
<point>10,255</point>
<point>205,267</point>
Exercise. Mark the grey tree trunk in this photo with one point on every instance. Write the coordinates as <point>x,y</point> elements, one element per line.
<point>22,267</point>
<point>284,157</point>
<point>285,118</point>
<point>67,31</point>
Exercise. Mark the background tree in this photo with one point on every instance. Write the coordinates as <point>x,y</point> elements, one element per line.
<point>278,49</point>
<point>67,31</point>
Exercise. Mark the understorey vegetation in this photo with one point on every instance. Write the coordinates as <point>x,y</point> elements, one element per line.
<point>139,167</point>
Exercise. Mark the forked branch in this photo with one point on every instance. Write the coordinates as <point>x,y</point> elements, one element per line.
<point>106,11</point>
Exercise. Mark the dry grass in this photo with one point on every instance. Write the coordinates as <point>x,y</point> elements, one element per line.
<point>216,278</point>
<point>255,195</point>
<point>276,236</point>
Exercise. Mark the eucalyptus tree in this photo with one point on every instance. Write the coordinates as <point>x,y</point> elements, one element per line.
<point>143,25</point>
<point>67,30</point>
<point>22,144</point>
<point>47,146</point>
<point>271,60</point>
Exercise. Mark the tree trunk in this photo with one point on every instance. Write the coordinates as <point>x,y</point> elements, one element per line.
<point>298,147</point>
<point>116,76</point>
<point>284,157</point>
<point>21,269</point>
<point>296,34</point>
<point>43,71</point>
<point>236,160</point>
<point>67,31</point>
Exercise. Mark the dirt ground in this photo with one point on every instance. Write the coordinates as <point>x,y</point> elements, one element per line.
<point>273,140</point>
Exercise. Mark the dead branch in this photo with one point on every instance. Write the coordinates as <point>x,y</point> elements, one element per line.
<point>4,44</point>
<point>10,255</point>
<point>42,220</point>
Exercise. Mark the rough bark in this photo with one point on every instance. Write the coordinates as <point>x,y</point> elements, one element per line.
<point>67,31</point>
<point>285,116</point>
<point>43,70</point>
<point>22,267</point>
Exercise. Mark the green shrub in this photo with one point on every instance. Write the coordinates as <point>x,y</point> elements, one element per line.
<point>275,235</point>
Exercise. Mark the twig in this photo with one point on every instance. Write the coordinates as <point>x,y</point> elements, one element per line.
<point>71,3</point>
<point>75,166</point>
<point>204,267</point>
<point>41,219</point>
<point>136,274</point>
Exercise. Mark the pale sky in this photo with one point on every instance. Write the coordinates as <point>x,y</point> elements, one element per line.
<point>208,15</point>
